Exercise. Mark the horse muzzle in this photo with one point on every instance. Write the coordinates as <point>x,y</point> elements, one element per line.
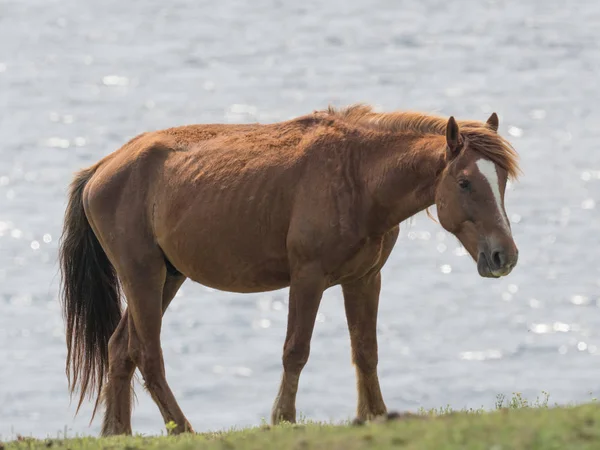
<point>497,262</point>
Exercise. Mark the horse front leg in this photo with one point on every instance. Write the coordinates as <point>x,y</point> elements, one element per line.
<point>361,299</point>
<point>306,289</point>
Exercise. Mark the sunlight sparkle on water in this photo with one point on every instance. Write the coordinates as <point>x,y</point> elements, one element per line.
<point>277,305</point>
<point>264,303</point>
<point>515,131</point>
<point>4,226</point>
<point>460,251</point>
<point>57,142</point>
<point>21,300</point>
<point>237,371</point>
<point>481,355</point>
<point>115,80</point>
<point>590,174</point>
<point>240,111</point>
<point>580,300</point>
<point>243,371</point>
<point>561,327</point>
<point>588,203</point>
<point>262,323</point>
<point>537,114</point>
<point>541,328</point>
<point>534,303</point>
<point>556,327</point>
<point>562,349</point>
<point>421,235</point>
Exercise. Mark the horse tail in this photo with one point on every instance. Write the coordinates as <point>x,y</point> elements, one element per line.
<point>90,295</point>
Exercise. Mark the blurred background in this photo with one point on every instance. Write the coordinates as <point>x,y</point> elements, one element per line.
<point>80,78</point>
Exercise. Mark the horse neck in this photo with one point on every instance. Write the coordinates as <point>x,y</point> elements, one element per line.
<point>402,178</point>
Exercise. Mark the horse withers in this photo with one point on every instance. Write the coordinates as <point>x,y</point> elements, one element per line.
<point>307,204</point>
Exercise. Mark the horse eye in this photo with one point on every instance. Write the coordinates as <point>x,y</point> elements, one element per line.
<point>464,184</point>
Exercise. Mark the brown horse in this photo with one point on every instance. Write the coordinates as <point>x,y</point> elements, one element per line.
<point>308,203</point>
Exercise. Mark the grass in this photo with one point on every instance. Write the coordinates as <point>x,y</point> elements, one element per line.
<point>516,424</point>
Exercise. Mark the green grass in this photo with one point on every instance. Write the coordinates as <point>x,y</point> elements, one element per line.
<point>516,424</point>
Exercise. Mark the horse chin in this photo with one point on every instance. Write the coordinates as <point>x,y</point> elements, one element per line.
<point>483,267</point>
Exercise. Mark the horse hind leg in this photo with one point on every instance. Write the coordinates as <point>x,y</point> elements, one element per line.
<point>145,301</point>
<point>172,284</point>
<point>118,392</point>
<point>149,289</point>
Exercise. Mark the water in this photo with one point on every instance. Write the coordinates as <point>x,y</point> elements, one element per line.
<point>79,78</point>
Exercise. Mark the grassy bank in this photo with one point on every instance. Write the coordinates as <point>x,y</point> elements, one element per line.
<point>514,427</point>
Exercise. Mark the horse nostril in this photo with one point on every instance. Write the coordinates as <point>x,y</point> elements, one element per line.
<point>498,258</point>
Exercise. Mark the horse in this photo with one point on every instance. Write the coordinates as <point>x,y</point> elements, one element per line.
<point>307,203</point>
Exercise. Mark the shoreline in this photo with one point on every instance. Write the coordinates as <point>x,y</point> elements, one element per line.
<point>514,424</point>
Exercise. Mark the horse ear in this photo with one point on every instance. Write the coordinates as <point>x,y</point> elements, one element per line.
<point>453,138</point>
<point>493,122</point>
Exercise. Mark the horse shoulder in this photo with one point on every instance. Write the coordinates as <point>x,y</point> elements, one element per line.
<point>326,230</point>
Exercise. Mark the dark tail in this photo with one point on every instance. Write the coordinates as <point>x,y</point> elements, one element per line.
<point>90,294</point>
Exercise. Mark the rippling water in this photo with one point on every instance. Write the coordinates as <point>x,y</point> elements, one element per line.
<point>79,78</point>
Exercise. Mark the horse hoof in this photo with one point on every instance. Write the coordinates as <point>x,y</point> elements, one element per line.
<point>358,422</point>
<point>393,415</point>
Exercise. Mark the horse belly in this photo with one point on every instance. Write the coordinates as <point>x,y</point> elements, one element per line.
<point>244,278</point>
<point>229,264</point>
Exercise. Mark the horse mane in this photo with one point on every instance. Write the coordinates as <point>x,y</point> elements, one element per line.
<point>477,134</point>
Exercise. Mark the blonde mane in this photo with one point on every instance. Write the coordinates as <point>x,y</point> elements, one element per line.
<point>478,135</point>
